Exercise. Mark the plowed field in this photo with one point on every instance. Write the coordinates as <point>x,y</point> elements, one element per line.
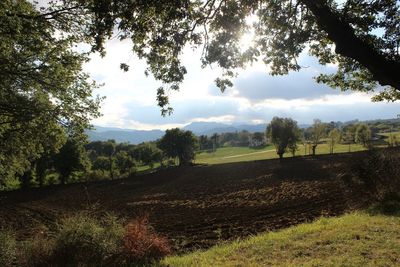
<point>196,207</point>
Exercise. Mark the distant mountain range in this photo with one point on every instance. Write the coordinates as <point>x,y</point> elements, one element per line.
<point>198,128</point>
<point>123,135</point>
<point>138,136</point>
<point>209,128</point>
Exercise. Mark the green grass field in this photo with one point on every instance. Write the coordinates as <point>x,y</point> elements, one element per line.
<point>237,154</point>
<point>356,239</point>
<point>144,168</point>
<point>397,134</point>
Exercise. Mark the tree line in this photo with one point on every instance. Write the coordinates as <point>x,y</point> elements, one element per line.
<point>79,160</point>
<point>235,139</point>
<point>285,135</point>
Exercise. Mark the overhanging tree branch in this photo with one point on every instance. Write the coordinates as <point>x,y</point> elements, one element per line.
<point>384,70</point>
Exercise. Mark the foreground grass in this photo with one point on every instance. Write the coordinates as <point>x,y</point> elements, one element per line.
<point>238,154</point>
<point>356,239</point>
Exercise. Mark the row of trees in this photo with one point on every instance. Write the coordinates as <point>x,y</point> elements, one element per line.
<point>78,160</point>
<point>285,135</point>
<point>332,132</point>
<point>243,138</point>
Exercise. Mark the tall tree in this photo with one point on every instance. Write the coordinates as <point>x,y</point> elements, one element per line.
<point>317,132</point>
<point>179,144</point>
<point>72,157</point>
<point>283,133</point>
<point>203,142</point>
<point>257,139</point>
<point>363,135</point>
<point>350,134</point>
<point>101,163</point>
<point>334,137</point>
<point>392,140</point>
<point>215,139</point>
<point>42,86</point>
<point>124,162</point>
<point>147,154</point>
<point>109,151</point>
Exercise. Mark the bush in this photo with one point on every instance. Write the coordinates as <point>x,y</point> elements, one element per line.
<point>98,175</point>
<point>141,244</point>
<point>7,249</point>
<point>379,172</point>
<point>37,251</point>
<point>82,240</point>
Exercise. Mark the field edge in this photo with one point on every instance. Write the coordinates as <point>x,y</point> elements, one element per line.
<point>352,239</point>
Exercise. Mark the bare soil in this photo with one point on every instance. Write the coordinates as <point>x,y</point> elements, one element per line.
<point>199,206</point>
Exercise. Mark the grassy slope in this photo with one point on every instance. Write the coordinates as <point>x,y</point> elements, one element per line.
<point>239,154</point>
<point>397,134</point>
<point>352,240</point>
<point>224,155</point>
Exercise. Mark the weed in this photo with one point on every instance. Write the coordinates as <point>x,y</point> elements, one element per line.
<point>142,244</point>
<point>7,249</point>
<point>82,240</point>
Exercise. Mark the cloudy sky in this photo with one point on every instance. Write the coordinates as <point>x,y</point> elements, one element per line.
<point>255,98</point>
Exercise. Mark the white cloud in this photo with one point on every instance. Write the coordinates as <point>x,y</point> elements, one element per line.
<point>223,119</point>
<point>131,96</point>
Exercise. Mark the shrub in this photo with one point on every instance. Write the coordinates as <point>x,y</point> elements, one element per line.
<point>37,251</point>
<point>379,172</point>
<point>389,205</point>
<point>141,244</point>
<point>97,175</point>
<point>7,249</point>
<point>51,179</point>
<point>83,240</point>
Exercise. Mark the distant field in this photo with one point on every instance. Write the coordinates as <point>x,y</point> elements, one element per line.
<point>387,134</point>
<point>396,134</point>
<point>238,154</point>
<point>235,154</point>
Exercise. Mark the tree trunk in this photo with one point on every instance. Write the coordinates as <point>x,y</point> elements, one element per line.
<point>26,179</point>
<point>111,169</point>
<point>313,149</point>
<point>348,44</point>
<point>63,178</point>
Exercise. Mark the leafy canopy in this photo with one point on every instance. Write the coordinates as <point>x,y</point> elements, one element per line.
<point>283,134</point>
<point>43,92</point>
<point>179,144</point>
<point>359,36</point>
<point>363,135</point>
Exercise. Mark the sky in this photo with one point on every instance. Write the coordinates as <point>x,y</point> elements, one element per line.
<point>255,98</point>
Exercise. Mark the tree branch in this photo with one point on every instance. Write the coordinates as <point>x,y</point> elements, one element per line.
<point>385,71</point>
